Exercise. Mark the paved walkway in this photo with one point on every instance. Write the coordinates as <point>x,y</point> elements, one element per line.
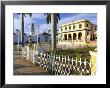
<point>25,67</point>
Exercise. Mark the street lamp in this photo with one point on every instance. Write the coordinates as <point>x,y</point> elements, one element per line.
<point>18,32</point>
<point>37,35</point>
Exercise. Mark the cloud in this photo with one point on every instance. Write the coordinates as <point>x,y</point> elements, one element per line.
<point>17,24</point>
<point>40,23</point>
<point>90,16</point>
<point>36,19</point>
<point>45,27</point>
<point>38,16</point>
<point>27,20</point>
<point>16,15</point>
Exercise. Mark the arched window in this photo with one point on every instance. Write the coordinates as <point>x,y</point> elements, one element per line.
<point>74,36</point>
<point>79,35</point>
<point>86,25</point>
<point>61,29</point>
<point>80,25</point>
<point>69,36</point>
<point>65,36</point>
<point>65,28</point>
<point>69,27</point>
<point>73,26</point>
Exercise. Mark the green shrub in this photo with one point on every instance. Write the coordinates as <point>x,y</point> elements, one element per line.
<point>82,53</point>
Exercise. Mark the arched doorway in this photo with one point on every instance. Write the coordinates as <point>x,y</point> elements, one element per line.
<point>65,37</point>
<point>88,36</point>
<point>69,36</point>
<point>79,35</point>
<point>74,36</point>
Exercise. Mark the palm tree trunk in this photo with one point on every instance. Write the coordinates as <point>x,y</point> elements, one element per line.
<point>53,30</point>
<point>18,40</point>
<point>22,30</point>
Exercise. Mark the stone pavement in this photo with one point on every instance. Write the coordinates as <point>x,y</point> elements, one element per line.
<point>25,67</point>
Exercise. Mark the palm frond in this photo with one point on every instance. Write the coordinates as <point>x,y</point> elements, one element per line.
<point>58,16</point>
<point>24,14</point>
<point>45,14</point>
<point>30,14</point>
<point>17,30</point>
<point>48,19</point>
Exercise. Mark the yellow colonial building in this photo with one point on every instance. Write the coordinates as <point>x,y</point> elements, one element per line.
<point>77,33</point>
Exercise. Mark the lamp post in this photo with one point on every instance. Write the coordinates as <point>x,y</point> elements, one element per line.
<point>37,35</point>
<point>18,32</point>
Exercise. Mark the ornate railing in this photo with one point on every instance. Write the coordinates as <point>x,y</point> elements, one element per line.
<point>60,65</point>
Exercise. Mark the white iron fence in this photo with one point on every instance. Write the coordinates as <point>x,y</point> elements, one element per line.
<point>59,65</point>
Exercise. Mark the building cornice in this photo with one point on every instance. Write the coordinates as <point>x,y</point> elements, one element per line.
<point>75,31</point>
<point>75,22</point>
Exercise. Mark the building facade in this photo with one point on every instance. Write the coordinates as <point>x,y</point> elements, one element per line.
<point>42,38</point>
<point>79,32</point>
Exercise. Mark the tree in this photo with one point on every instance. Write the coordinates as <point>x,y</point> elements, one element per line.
<point>53,19</point>
<point>60,37</point>
<point>22,27</point>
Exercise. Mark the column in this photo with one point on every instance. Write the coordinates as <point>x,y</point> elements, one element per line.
<point>72,37</point>
<point>67,36</point>
<point>77,37</point>
<point>85,38</point>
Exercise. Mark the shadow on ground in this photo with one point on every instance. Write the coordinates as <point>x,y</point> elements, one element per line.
<point>20,67</point>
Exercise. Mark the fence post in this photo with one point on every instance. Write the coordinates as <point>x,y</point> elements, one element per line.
<point>29,55</point>
<point>27,50</point>
<point>93,62</point>
<point>23,52</point>
<point>53,61</point>
<point>33,57</point>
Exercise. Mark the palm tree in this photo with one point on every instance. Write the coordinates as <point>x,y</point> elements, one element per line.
<point>53,19</point>
<point>22,17</point>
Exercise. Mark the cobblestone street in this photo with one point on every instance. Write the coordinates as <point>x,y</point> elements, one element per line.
<point>25,67</point>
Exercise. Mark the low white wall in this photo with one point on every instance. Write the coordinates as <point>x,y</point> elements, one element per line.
<point>69,45</point>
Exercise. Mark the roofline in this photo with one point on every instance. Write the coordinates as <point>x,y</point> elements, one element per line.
<point>75,22</point>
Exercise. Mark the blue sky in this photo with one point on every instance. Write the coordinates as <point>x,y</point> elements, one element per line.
<point>39,20</point>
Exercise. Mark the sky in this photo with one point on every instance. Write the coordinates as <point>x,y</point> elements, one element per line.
<point>39,20</point>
